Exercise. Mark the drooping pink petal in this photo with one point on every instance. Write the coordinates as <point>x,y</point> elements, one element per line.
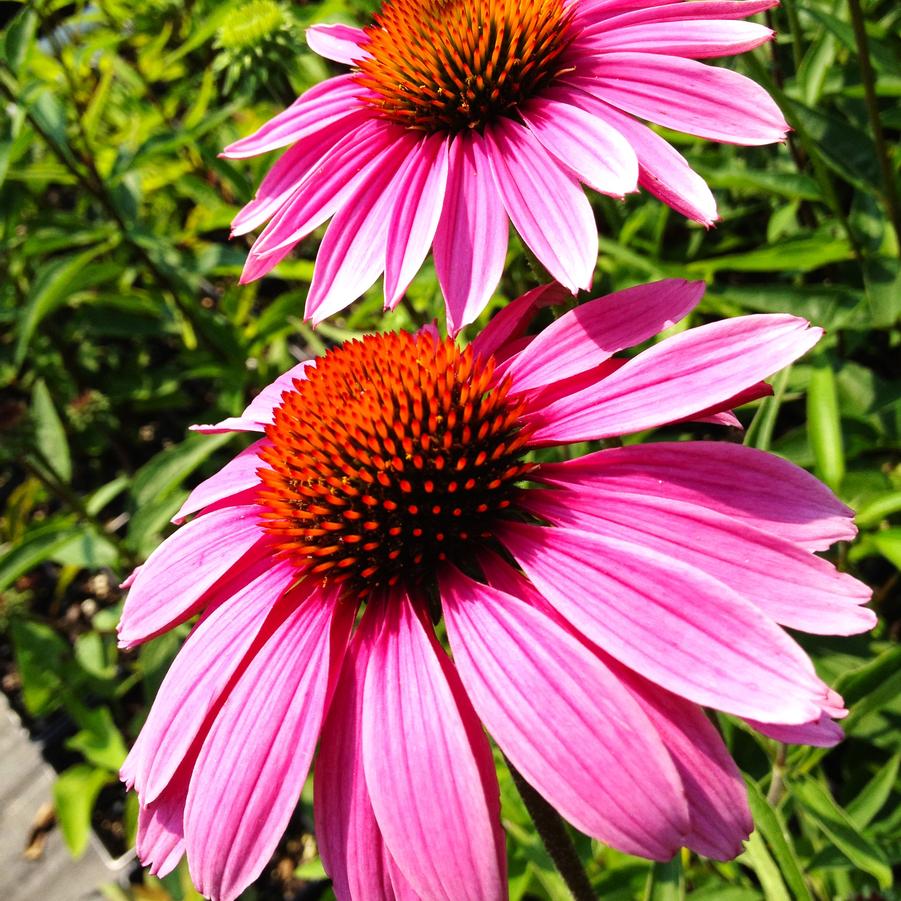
<point>598,154</point>
<point>564,720</point>
<point>717,801</point>
<point>313,111</point>
<point>325,189</point>
<point>175,577</point>
<point>350,842</point>
<point>688,96</point>
<point>340,43</point>
<point>821,733</point>
<point>239,474</point>
<point>352,254</point>
<point>253,764</point>
<point>290,170</point>
<point>761,489</point>
<point>546,205</point>
<point>689,372</point>
<point>692,38</point>
<point>796,589</point>
<point>439,819</point>
<point>470,243</point>
<point>160,842</point>
<point>209,659</point>
<point>258,412</point>
<point>662,170</point>
<point>510,322</point>
<point>669,622</point>
<point>591,333</point>
<point>414,218</point>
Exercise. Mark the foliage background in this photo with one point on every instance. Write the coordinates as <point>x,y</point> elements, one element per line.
<point>121,322</point>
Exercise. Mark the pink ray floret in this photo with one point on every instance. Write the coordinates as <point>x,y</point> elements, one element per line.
<point>437,140</point>
<point>595,608</point>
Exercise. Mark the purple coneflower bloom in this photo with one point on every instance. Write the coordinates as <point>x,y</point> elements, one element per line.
<point>459,116</point>
<point>594,608</point>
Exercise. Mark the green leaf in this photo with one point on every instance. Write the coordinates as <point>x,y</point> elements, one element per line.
<point>38,546</point>
<point>49,290</point>
<point>874,794</point>
<point>98,739</point>
<point>888,543</point>
<point>19,37</point>
<point>878,509</point>
<point>758,859</point>
<point>821,807</point>
<point>169,468</point>
<point>803,254</point>
<point>74,794</point>
<point>49,434</point>
<point>41,655</point>
<point>771,827</point>
<point>824,423</point>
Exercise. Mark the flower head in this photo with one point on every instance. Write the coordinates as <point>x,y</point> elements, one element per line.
<point>459,116</point>
<point>593,607</point>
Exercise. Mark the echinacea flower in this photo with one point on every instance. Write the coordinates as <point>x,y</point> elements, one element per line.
<point>593,607</point>
<point>461,115</point>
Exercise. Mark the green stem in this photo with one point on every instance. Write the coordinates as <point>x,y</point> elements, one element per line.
<point>777,785</point>
<point>869,90</point>
<point>557,841</point>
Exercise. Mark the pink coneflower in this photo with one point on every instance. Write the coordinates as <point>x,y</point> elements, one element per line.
<point>594,607</point>
<point>462,114</point>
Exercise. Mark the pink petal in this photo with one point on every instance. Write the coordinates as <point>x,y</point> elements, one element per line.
<point>291,170</point>
<point>414,219</point>
<point>325,189</point>
<point>546,205</point>
<point>678,377</point>
<point>821,733</point>
<point>693,38</point>
<point>591,333</point>
<point>470,243</point>
<point>511,321</point>
<point>795,588</point>
<point>160,842</point>
<point>688,96</point>
<point>439,819</point>
<point>771,494</point>
<point>259,411</point>
<point>173,580</point>
<point>662,170</point>
<point>564,720</point>
<point>313,111</point>
<point>717,800</point>
<point>209,659</point>
<point>352,254</point>
<point>598,154</point>
<point>669,622</point>
<point>254,762</point>
<point>350,842</point>
<point>239,474</point>
<point>593,10</point>
<point>676,10</point>
<point>340,43</point>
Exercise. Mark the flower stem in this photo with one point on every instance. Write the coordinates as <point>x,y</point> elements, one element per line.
<point>869,91</point>
<point>556,839</point>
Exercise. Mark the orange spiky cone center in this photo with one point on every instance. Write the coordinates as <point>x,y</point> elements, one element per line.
<point>453,65</point>
<point>396,453</point>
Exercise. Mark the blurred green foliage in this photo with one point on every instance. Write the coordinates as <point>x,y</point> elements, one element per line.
<point>121,322</point>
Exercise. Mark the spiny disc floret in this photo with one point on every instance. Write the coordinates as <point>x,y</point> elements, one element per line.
<point>454,65</point>
<point>397,451</point>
